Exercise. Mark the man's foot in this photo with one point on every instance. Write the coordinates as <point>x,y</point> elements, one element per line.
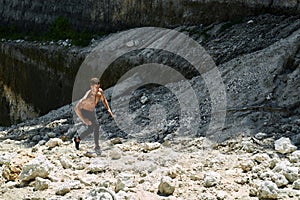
<point>98,150</point>
<point>77,141</point>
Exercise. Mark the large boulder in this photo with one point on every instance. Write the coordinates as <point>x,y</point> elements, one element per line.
<point>284,146</point>
<point>267,190</point>
<point>38,167</point>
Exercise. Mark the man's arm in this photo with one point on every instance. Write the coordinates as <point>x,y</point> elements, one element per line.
<point>104,101</point>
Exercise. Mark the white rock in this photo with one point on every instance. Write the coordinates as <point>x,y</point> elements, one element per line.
<point>247,165</point>
<point>63,189</point>
<point>211,179</point>
<point>248,146</point>
<point>10,184</point>
<point>166,186</point>
<point>53,142</point>
<point>125,180</point>
<point>98,166</point>
<point>260,136</point>
<point>291,173</point>
<point>75,184</point>
<point>8,141</point>
<point>6,157</point>
<point>144,99</point>
<point>41,184</point>
<point>267,190</point>
<point>258,169</point>
<point>296,184</point>
<point>116,140</point>
<point>38,167</point>
<point>81,165</point>
<point>115,154</point>
<point>174,171</point>
<point>119,186</point>
<point>261,157</point>
<point>295,157</point>
<point>284,167</point>
<point>250,22</point>
<point>36,148</point>
<point>90,154</point>
<point>102,193</point>
<point>88,179</point>
<point>150,146</point>
<point>281,166</point>
<point>53,177</point>
<point>221,195</point>
<point>122,195</point>
<point>65,162</point>
<point>148,195</point>
<point>273,162</point>
<point>280,180</point>
<point>267,175</point>
<point>207,196</point>
<point>289,193</point>
<point>130,43</point>
<point>284,146</point>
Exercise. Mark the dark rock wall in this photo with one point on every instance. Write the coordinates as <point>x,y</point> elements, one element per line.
<point>110,15</point>
<point>34,80</point>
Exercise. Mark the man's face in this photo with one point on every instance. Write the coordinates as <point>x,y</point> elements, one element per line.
<point>95,87</point>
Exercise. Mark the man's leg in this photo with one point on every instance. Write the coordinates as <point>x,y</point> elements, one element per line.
<point>77,139</point>
<point>90,115</point>
<point>96,135</point>
<point>95,128</point>
<point>85,133</point>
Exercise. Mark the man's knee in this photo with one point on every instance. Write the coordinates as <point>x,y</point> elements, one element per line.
<point>95,124</point>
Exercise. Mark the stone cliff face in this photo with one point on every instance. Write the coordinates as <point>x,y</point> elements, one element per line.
<point>39,67</point>
<point>261,78</point>
<point>112,15</point>
<point>34,80</point>
<point>259,63</point>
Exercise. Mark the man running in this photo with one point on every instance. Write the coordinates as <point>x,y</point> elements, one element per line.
<point>85,109</point>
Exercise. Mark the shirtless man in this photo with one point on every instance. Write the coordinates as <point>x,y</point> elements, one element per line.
<point>85,109</point>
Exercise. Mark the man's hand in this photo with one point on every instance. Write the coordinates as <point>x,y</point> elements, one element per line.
<point>111,114</point>
<point>87,122</point>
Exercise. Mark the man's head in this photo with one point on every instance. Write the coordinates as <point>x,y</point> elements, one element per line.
<point>95,83</point>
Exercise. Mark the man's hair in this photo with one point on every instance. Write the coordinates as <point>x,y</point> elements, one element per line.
<point>94,81</point>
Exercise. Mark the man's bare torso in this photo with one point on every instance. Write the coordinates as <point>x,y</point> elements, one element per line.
<point>90,100</point>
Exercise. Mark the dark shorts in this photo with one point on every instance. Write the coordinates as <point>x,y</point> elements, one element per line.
<point>90,115</point>
<point>94,127</point>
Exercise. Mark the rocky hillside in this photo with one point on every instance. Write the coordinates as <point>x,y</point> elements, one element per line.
<point>111,15</point>
<point>253,156</point>
<point>57,63</point>
<point>259,63</point>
